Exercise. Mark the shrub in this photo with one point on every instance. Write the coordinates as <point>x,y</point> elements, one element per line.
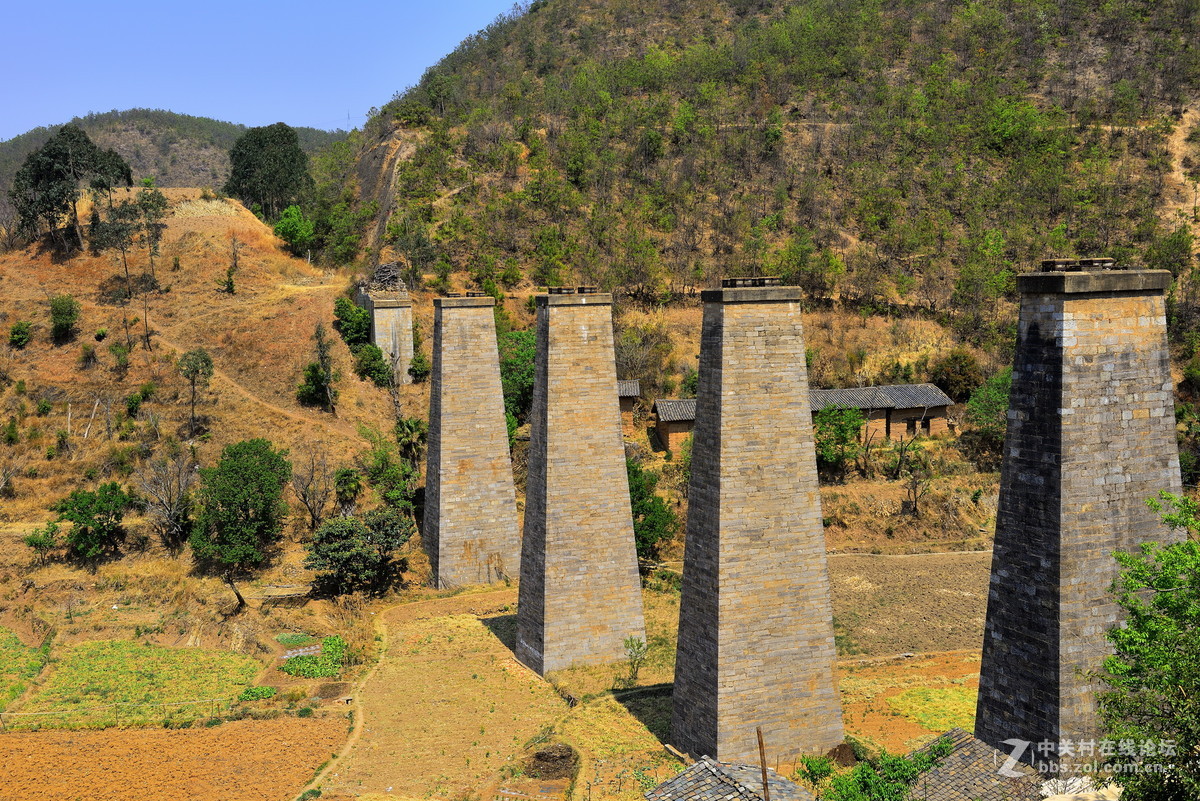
<point>419,368</point>
<point>101,334</point>
<point>64,313</point>
<point>44,407</point>
<point>133,404</point>
<point>20,334</point>
<point>10,433</point>
<point>304,712</point>
<point>653,521</point>
<point>120,353</point>
<point>370,365</point>
<point>87,357</point>
<point>351,321</point>
<point>294,229</point>
<point>957,374</point>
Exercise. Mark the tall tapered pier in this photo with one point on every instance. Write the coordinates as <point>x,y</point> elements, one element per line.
<point>470,526</point>
<point>580,594</point>
<point>1091,436</point>
<point>755,621</point>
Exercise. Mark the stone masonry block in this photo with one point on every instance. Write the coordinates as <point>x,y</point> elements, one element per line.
<point>1072,491</point>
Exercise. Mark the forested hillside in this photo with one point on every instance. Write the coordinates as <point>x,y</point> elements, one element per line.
<point>177,149</point>
<point>911,154</point>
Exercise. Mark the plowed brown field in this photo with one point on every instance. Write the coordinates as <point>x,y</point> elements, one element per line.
<point>248,760</point>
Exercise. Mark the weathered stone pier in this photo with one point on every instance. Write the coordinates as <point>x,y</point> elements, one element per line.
<point>755,621</point>
<point>470,526</point>
<point>580,594</point>
<point>1091,436</point>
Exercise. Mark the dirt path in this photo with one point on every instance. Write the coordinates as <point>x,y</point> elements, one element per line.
<point>342,770</point>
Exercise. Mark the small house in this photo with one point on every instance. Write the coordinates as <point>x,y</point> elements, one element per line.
<point>674,419</point>
<point>897,411</point>
<point>628,393</point>
<point>710,780</point>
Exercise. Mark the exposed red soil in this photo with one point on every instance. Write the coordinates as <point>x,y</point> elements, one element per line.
<point>248,760</point>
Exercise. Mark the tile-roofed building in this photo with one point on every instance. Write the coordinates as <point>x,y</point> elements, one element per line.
<point>971,772</point>
<point>892,412</point>
<point>629,388</point>
<point>674,419</point>
<point>709,780</point>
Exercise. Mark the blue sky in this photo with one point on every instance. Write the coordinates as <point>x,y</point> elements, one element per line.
<point>250,61</point>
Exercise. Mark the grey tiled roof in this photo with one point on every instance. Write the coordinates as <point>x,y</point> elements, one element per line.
<point>709,780</point>
<point>895,396</point>
<point>971,772</point>
<point>908,396</point>
<point>850,398</point>
<point>675,410</point>
<point>631,388</point>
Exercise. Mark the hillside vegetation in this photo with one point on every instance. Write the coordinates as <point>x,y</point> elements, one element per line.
<point>178,150</point>
<point>900,155</point>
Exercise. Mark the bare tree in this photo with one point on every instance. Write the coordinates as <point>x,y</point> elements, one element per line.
<point>167,485</point>
<point>7,471</point>
<point>313,484</point>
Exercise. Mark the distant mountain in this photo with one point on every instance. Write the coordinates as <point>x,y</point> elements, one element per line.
<point>177,149</point>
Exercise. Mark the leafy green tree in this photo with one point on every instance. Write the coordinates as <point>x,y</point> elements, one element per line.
<point>393,477</point>
<point>370,365</point>
<point>836,437</point>
<point>987,412</point>
<point>46,188</point>
<point>64,313</point>
<point>957,374</point>
<point>296,230</point>
<point>319,376</point>
<point>96,519</point>
<point>353,554</point>
<point>518,353</point>
<point>196,366</point>
<point>268,169</point>
<point>419,367</point>
<point>351,321</point>
<point>653,521</point>
<point>1153,675</point>
<point>241,506</point>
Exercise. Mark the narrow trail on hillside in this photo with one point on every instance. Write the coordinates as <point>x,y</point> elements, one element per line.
<point>340,427</point>
<point>1177,148</point>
